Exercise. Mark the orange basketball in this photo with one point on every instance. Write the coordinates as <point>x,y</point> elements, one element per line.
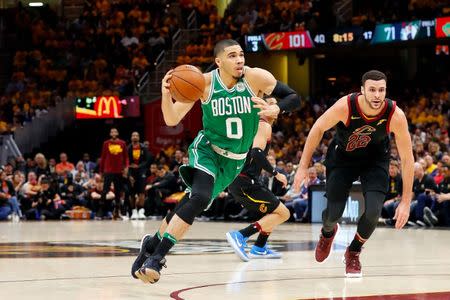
<point>187,83</point>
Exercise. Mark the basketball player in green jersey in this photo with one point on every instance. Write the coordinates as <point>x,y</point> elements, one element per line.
<point>231,105</point>
<point>360,149</point>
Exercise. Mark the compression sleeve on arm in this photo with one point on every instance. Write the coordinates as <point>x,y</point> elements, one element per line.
<point>261,161</point>
<point>288,98</point>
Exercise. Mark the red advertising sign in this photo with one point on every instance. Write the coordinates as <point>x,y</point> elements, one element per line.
<point>162,136</point>
<point>443,27</point>
<point>288,40</point>
<point>107,107</point>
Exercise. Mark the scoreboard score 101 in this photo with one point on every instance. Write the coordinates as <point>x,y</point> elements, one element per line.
<point>278,41</point>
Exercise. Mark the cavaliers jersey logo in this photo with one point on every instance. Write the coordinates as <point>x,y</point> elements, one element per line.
<point>263,208</point>
<point>136,154</point>
<point>115,149</point>
<point>360,138</point>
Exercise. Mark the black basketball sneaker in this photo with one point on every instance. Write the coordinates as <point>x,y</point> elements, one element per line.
<point>150,270</point>
<point>145,252</point>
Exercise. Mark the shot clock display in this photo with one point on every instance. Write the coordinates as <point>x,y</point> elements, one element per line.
<point>343,36</point>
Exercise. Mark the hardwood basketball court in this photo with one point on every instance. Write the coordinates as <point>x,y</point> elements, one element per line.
<point>92,260</point>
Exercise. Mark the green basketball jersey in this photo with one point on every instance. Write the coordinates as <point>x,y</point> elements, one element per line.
<point>229,119</point>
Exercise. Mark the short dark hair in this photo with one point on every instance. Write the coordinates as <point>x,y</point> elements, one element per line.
<point>221,45</point>
<point>373,75</point>
<point>114,128</point>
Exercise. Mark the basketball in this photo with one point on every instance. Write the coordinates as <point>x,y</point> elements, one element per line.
<point>187,83</point>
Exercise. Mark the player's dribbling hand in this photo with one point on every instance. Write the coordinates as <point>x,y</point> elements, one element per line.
<point>401,214</point>
<point>281,178</point>
<point>165,85</point>
<point>299,178</point>
<point>267,110</point>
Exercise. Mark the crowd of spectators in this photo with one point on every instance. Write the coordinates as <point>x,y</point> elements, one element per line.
<point>112,43</point>
<point>104,51</point>
<point>42,189</point>
<point>81,184</point>
<point>254,17</point>
<point>369,13</point>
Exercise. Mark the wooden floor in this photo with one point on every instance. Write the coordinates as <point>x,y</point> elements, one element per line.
<point>92,260</point>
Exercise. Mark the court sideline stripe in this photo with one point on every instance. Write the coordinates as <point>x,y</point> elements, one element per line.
<point>176,294</point>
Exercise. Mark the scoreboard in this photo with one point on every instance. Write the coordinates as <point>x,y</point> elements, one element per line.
<point>355,35</point>
<point>278,41</point>
<point>346,36</point>
<point>404,31</point>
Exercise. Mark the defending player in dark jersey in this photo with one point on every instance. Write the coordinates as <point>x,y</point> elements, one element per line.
<point>248,190</point>
<point>360,149</point>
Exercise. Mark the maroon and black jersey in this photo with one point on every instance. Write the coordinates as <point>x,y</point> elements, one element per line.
<point>362,140</point>
<point>114,157</point>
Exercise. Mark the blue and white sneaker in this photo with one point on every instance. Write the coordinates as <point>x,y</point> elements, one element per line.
<point>265,252</point>
<point>238,243</point>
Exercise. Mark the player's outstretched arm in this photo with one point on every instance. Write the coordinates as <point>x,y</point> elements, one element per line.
<point>336,113</point>
<point>399,126</point>
<point>173,112</point>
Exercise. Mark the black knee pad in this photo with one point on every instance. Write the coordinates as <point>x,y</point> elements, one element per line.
<point>368,221</point>
<point>182,202</point>
<point>197,203</point>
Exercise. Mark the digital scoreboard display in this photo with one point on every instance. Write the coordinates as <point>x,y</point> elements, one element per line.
<point>278,41</point>
<point>354,35</point>
<point>403,31</point>
<point>347,36</point>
